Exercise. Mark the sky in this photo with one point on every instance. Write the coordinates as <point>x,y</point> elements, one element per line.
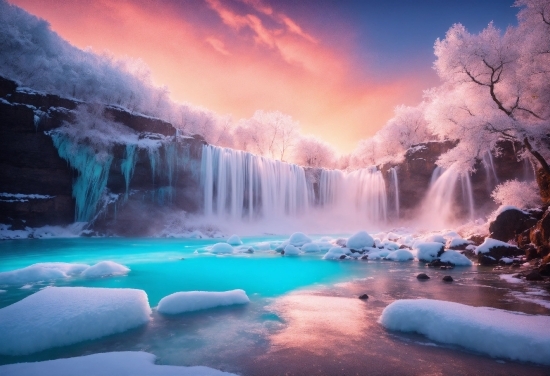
<point>338,67</point>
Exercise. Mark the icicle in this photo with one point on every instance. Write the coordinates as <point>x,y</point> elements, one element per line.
<point>93,172</point>
<point>127,166</point>
<point>154,157</point>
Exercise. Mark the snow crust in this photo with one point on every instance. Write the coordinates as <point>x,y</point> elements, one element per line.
<point>400,255</point>
<point>360,240</point>
<point>298,239</point>
<point>491,331</point>
<point>428,251</point>
<point>187,301</point>
<point>489,243</point>
<point>60,316</point>
<point>234,240</point>
<point>455,258</point>
<point>48,271</point>
<point>135,363</point>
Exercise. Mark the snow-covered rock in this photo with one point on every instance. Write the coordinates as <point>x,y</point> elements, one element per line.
<point>435,238</point>
<point>135,363</point>
<point>400,255</point>
<point>298,239</point>
<point>489,244</point>
<point>378,255</point>
<point>360,240</point>
<point>495,332</point>
<point>335,253</point>
<point>291,250</point>
<point>60,316</point>
<point>311,247</point>
<point>105,269</point>
<point>234,240</point>
<point>187,301</point>
<point>455,258</point>
<point>428,251</point>
<point>392,246</point>
<point>221,248</point>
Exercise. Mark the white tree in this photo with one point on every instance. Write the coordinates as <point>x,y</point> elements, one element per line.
<point>312,152</point>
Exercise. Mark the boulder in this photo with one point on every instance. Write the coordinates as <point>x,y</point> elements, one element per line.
<point>534,276</point>
<point>448,278</point>
<point>422,276</point>
<point>509,223</point>
<point>492,250</point>
<point>429,251</point>
<point>540,235</point>
<point>364,296</point>
<point>360,240</point>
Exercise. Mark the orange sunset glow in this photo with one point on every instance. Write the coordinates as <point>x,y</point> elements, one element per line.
<point>238,62</point>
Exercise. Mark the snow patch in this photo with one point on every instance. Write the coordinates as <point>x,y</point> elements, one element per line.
<point>234,240</point>
<point>298,239</point>
<point>400,255</point>
<point>489,243</point>
<point>491,331</point>
<point>360,240</point>
<point>455,258</point>
<point>135,363</point>
<point>428,251</point>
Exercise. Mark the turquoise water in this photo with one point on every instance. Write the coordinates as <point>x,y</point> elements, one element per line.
<point>164,266</point>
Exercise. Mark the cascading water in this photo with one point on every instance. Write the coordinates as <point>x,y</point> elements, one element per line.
<point>395,181</point>
<point>492,179</point>
<point>127,166</point>
<point>240,185</point>
<point>440,206</point>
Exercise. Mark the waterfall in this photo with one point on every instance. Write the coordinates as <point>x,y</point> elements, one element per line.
<point>490,172</point>
<point>127,166</point>
<point>240,185</point>
<point>395,180</point>
<point>439,207</point>
<point>93,171</point>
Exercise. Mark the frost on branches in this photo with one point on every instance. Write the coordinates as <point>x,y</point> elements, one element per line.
<point>495,87</point>
<point>523,195</point>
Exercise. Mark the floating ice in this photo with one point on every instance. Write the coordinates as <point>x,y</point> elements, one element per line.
<point>234,240</point>
<point>360,240</point>
<point>400,255</point>
<point>428,251</point>
<point>291,250</point>
<point>104,269</point>
<point>60,316</point>
<point>491,331</point>
<point>48,271</point>
<point>188,301</point>
<point>221,248</point>
<point>135,363</point>
<point>298,239</point>
<point>455,258</point>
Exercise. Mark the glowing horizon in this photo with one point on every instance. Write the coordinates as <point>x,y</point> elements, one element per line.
<point>238,56</point>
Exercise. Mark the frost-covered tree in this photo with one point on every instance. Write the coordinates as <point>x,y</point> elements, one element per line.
<point>270,134</point>
<point>520,194</point>
<point>495,88</point>
<point>312,152</point>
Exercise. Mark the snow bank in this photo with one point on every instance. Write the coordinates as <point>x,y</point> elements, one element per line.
<point>428,251</point>
<point>455,258</point>
<point>48,271</point>
<point>221,248</point>
<point>60,316</point>
<point>234,240</point>
<point>400,255</point>
<point>298,239</point>
<point>360,240</point>
<point>378,255</point>
<point>311,247</point>
<point>491,331</point>
<point>291,250</point>
<point>489,243</point>
<point>105,268</point>
<point>188,301</point>
<point>335,253</point>
<point>135,363</point>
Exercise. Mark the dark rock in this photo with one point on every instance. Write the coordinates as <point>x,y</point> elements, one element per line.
<point>343,257</point>
<point>403,246</point>
<point>438,263</point>
<point>140,123</point>
<point>422,276</point>
<point>484,259</point>
<point>282,252</point>
<point>364,296</point>
<point>540,235</point>
<point>7,87</point>
<point>341,242</point>
<point>516,265</point>
<point>534,276</point>
<point>447,278</point>
<point>509,224</point>
<point>365,257</point>
<point>544,270</point>
<point>476,239</point>
<point>543,181</point>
